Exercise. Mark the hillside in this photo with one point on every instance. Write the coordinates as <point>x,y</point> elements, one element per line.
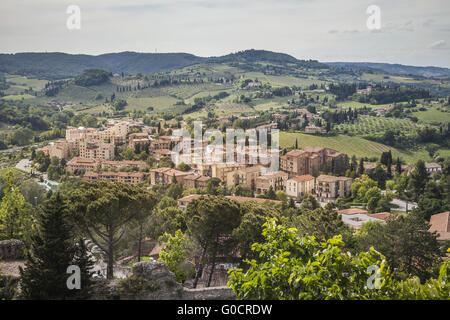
<point>54,65</point>
<point>398,69</point>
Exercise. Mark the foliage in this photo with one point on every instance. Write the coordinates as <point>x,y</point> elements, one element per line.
<point>52,252</point>
<point>174,254</point>
<point>92,77</point>
<point>15,216</point>
<point>301,268</point>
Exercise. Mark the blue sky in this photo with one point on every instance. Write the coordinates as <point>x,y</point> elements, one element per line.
<point>414,32</point>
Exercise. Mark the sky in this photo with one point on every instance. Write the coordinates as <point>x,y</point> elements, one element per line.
<point>412,32</point>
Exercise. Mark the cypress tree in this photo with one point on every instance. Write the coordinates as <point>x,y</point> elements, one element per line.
<point>52,252</point>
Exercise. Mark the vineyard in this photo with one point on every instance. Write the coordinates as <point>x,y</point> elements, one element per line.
<point>376,125</point>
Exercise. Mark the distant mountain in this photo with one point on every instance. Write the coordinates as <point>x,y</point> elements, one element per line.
<point>399,69</point>
<point>62,65</point>
<point>253,55</point>
<point>57,65</point>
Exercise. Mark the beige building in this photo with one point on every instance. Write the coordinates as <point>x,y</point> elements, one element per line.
<point>195,181</point>
<point>140,138</point>
<point>297,187</point>
<point>245,177</point>
<point>310,160</point>
<point>123,164</point>
<point>94,150</point>
<point>275,180</point>
<point>329,188</point>
<point>59,149</point>
<point>165,176</point>
<point>78,165</point>
<point>125,177</point>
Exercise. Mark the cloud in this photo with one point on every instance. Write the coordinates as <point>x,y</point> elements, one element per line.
<point>437,45</point>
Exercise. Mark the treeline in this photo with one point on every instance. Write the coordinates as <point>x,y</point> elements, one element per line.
<point>384,95</point>
<point>92,77</point>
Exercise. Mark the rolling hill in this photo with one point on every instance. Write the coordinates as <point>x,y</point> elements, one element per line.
<point>398,69</point>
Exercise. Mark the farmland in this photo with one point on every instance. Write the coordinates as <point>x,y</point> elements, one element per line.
<point>377,125</point>
<point>353,146</point>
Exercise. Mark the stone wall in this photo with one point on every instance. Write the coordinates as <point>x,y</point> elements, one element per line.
<point>153,281</point>
<point>11,249</point>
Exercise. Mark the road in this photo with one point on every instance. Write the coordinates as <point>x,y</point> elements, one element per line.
<point>402,204</point>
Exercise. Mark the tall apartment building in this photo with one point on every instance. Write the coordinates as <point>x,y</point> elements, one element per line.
<point>275,180</point>
<point>138,139</point>
<point>329,188</point>
<point>96,150</point>
<point>245,177</point>
<point>296,187</point>
<point>310,160</point>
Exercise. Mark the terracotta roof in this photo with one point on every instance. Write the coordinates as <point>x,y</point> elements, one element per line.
<point>381,215</point>
<point>327,178</point>
<point>190,197</point>
<point>441,224</point>
<point>306,177</point>
<point>294,153</point>
<point>352,211</point>
<point>432,165</point>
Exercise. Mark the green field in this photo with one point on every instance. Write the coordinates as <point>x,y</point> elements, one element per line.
<point>18,97</point>
<point>376,125</point>
<point>433,115</point>
<point>356,105</point>
<point>353,146</point>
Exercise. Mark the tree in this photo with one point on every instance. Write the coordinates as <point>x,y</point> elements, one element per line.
<point>291,267</point>
<point>15,218</point>
<point>250,229</point>
<point>270,194</point>
<point>210,221</point>
<point>53,250</point>
<point>323,223</point>
<point>418,179</point>
<point>408,246</point>
<point>33,192</point>
<point>361,166</point>
<point>145,203</point>
<point>212,185</point>
<point>175,191</point>
<point>175,253</point>
<point>102,210</point>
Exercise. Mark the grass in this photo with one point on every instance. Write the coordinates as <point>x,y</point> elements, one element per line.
<point>356,105</point>
<point>18,97</point>
<point>354,146</point>
<point>432,115</point>
<point>377,125</point>
<point>159,104</point>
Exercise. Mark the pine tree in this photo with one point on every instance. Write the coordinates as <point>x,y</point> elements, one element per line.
<point>52,252</point>
<point>418,179</point>
<point>398,167</point>
<point>361,166</point>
